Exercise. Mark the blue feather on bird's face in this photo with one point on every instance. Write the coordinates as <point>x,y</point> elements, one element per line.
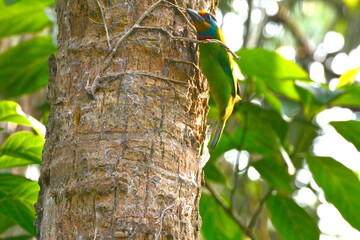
<point>205,24</point>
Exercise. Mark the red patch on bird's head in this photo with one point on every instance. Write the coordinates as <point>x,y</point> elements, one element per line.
<point>202,13</point>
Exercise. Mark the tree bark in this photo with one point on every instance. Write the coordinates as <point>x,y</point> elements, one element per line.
<point>128,117</point>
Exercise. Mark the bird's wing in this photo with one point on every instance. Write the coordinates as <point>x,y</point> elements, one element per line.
<point>227,63</point>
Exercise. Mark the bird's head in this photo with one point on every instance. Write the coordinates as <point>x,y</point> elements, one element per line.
<point>205,24</point>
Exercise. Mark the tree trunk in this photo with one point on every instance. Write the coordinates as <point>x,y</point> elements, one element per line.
<point>121,159</point>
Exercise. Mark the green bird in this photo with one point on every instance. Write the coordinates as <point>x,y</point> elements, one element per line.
<point>219,68</point>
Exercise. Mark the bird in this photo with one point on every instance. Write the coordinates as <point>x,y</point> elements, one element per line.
<point>219,68</point>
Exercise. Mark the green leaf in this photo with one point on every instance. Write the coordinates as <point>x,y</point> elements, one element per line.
<point>290,108</point>
<point>271,74</point>
<point>350,96</point>
<point>20,149</point>
<point>291,221</point>
<point>348,77</point>
<point>350,130</point>
<point>23,17</point>
<point>301,135</point>
<point>18,186</point>
<point>216,223</point>
<point>319,92</point>
<point>17,198</point>
<point>275,174</point>
<point>5,223</point>
<point>341,186</point>
<point>268,65</point>
<point>22,212</point>
<point>269,97</point>
<point>265,130</point>
<point>24,68</point>
<point>314,98</point>
<point>11,111</point>
<point>213,173</point>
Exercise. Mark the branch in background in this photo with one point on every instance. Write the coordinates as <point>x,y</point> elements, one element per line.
<point>259,209</point>
<point>248,22</point>
<point>283,16</point>
<point>239,148</point>
<point>231,213</point>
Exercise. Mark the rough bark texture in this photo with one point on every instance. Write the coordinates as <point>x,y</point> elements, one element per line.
<point>121,159</point>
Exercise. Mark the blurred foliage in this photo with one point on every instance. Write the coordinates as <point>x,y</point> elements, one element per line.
<point>25,45</point>
<point>17,193</point>
<point>273,128</point>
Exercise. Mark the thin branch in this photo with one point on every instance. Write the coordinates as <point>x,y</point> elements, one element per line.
<point>230,212</point>
<point>248,22</point>
<point>190,39</point>
<point>239,148</point>
<point>181,10</point>
<point>184,62</point>
<point>136,24</point>
<point>162,219</point>
<point>283,16</point>
<point>105,25</point>
<point>236,178</point>
<point>259,209</point>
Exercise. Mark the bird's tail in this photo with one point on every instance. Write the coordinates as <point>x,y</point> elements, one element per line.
<point>218,131</point>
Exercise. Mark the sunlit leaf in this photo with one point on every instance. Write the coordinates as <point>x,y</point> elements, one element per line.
<point>340,185</point>
<point>18,186</point>
<point>348,77</point>
<point>351,3</point>
<point>23,16</point>
<point>216,223</point>
<point>269,65</point>
<point>24,68</point>
<point>11,111</point>
<point>291,221</point>
<point>275,174</point>
<point>21,148</point>
<point>271,74</point>
<point>350,130</point>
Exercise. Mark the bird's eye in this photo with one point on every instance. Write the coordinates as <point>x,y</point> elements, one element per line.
<point>209,16</point>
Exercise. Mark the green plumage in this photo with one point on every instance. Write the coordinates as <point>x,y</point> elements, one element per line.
<point>219,68</point>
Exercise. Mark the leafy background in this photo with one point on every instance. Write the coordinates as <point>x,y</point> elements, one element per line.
<point>267,179</point>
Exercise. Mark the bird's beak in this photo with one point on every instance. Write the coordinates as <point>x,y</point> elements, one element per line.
<point>195,16</point>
